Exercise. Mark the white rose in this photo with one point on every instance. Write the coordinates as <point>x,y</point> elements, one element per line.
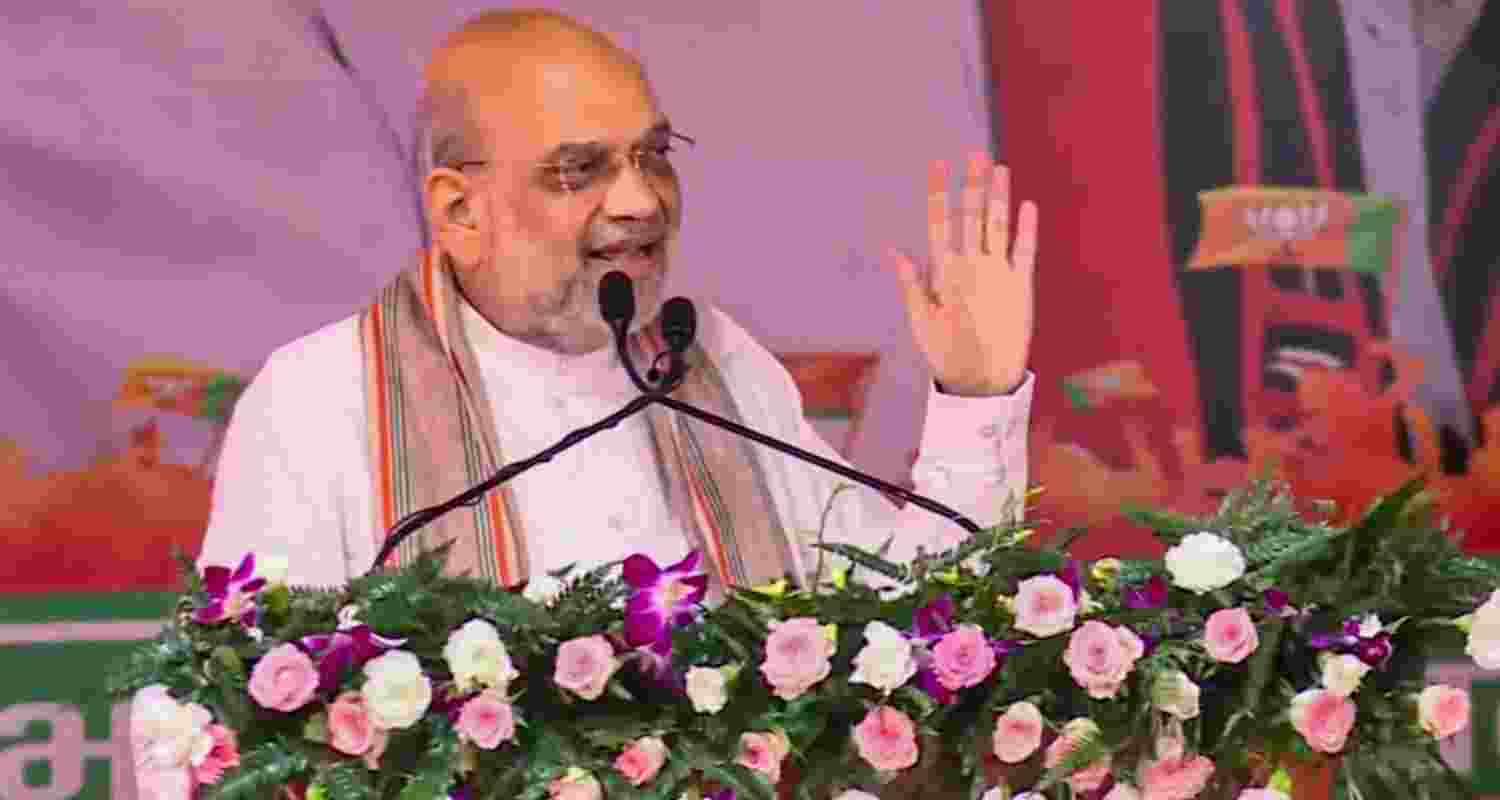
<point>542,589</point>
<point>166,733</point>
<point>1175,693</point>
<point>1342,673</point>
<point>855,794</point>
<point>707,688</point>
<point>1204,561</point>
<point>1044,606</point>
<point>476,656</point>
<point>886,660</point>
<point>1123,791</point>
<point>1484,634</point>
<point>272,568</point>
<point>994,793</point>
<point>395,691</point>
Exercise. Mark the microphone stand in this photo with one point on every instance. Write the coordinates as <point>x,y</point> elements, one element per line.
<point>415,520</point>
<point>674,377</point>
<point>618,311</point>
<point>817,460</point>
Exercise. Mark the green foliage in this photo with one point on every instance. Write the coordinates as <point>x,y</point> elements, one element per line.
<point>262,772</point>
<point>346,780</point>
<point>1395,561</point>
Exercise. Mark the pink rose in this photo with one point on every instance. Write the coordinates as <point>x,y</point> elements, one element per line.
<point>963,658</point>
<point>797,653</point>
<point>224,754</point>
<point>1323,718</point>
<point>764,752</point>
<point>887,738</point>
<point>1179,778</point>
<point>1230,635</point>
<point>487,720</point>
<point>576,785</point>
<point>1262,794</point>
<point>1045,606</point>
<point>153,782</point>
<point>1100,657</point>
<point>1090,777</point>
<point>350,729</point>
<point>584,666</point>
<point>642,760</point>
<point>284,679</point>
<point>1018,733</point>
<point>1443,710</point>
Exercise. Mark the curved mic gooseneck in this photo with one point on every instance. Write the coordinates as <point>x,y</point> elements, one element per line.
<point>679,321</point>
<point>617,307</point>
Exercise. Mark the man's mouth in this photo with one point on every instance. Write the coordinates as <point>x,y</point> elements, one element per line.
<point>635,258</point>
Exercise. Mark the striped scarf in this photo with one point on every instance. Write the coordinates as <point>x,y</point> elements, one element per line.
<point>432,436</point>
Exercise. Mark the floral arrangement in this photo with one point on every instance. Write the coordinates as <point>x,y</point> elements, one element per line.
<point>1265,639</point>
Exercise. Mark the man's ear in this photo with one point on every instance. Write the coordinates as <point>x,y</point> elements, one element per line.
<point>451,214</point>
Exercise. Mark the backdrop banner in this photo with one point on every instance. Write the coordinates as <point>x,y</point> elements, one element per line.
<point>190,185</point>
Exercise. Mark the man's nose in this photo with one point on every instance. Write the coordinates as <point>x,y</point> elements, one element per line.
<point>632,196</point>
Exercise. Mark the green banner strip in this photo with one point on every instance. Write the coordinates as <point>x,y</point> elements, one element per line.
<point>71,606</point>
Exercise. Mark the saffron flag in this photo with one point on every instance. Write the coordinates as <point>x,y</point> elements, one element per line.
<point>167,383</point>
<point>1271,226</point>
<point>1114,380</point>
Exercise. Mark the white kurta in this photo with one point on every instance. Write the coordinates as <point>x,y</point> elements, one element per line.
<point>294,476</point>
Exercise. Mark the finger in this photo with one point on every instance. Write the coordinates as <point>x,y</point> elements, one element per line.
<point>913,288</point>
<point>997,237</point>
<point>971,205</point>
<point>938,230</point>
<point>1023,254</point>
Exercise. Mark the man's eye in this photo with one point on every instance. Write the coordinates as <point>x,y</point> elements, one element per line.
<point>573,174</point>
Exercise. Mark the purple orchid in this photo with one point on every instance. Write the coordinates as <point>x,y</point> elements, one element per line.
<point>1373,646</point>
<point>459,792</point>
<point>723,794</point>
<point>1151,594</point>
<point>347,648</point>
<point>1073,577</point>
<point>932,621</point>
<point>654,661</point>
<point>231,594</point>
<point>662,599</point>
<point>1278,603</point>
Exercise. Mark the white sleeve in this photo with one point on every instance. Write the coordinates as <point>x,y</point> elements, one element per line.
<point>291,467</point>
<point>972,459</point>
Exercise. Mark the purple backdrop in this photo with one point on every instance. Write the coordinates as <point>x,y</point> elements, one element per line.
<point>208,180</point>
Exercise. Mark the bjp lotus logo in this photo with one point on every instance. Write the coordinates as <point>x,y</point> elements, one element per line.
<point>1271,226</point>
<point>1287,223</point>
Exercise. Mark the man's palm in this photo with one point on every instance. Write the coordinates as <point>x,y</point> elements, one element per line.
<point>971,313</point>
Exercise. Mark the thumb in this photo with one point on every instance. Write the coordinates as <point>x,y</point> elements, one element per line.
<point>913,288</point>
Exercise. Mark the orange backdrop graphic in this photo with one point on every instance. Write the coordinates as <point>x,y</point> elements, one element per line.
<point>1217,281</point>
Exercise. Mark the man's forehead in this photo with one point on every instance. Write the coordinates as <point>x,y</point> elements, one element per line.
<point>567,103</point>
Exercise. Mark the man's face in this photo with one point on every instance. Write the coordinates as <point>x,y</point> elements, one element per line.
<point>579,183</point>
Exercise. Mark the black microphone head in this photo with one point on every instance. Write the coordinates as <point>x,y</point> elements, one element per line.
<point>679,323</point>
<point>617,299</point>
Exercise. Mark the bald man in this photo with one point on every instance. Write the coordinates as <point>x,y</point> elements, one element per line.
<point>547,162</point>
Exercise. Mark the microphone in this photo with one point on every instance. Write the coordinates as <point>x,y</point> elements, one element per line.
<point>679,326</point>
<point>617,307</point>
<point>617,300</point>
<point>679,322</point>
